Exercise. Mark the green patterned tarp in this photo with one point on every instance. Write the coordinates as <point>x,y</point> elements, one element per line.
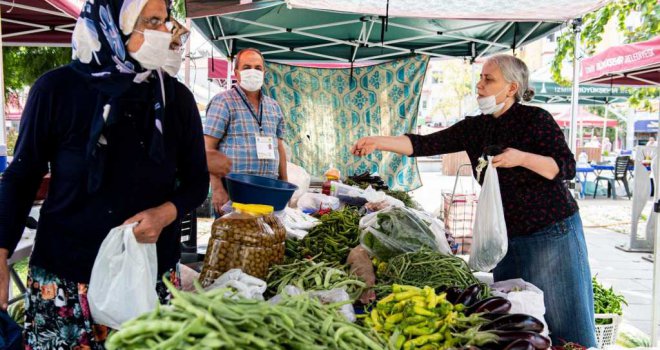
<point>325,115</point>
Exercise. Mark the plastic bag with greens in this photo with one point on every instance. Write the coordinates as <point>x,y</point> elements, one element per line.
<point>393,231</point>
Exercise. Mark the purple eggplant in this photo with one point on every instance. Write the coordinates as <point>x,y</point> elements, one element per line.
<point>496,305</point>
<point>515,322</point>
<point>453,293</point>
<point>520,344</point>
<point>469,295</point>
<point>537,340</point>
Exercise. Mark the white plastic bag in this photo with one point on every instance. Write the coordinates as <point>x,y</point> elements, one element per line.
<point>337,295</point>
<point>299,177</point>
<point>393,231</point>
<point>525,298</point>
<point>314,201</point>
<point>489,245</point>
<point>297,223</point>
<point>123,281</point>
<point>245,285</point>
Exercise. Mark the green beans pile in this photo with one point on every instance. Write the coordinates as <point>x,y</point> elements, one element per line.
<point>331,240</point>
<point>212,321</point>
<point>311,276</point>
<point>425,268</point>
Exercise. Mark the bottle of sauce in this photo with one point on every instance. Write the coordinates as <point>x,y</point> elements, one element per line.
<point>330,175</point>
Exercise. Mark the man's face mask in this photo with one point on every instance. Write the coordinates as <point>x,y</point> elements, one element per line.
<point>251,79</point>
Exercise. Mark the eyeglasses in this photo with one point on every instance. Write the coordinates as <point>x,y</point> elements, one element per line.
<point>180,34</point>
<point>155,22</point>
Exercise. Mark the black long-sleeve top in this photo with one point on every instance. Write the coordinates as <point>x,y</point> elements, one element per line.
<point>531,201</point>
<point>54,134</point>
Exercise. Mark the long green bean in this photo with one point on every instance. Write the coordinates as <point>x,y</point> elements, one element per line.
<point>207,320</point>
<point>425,268</point>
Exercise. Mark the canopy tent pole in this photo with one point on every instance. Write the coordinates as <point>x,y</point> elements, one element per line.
<point>229,67</point>
<point>577,23</point>
<point>655,313</point>
<point>615,145</point>
<point>3,127</point>
<point>186,67</point>
<point>607,110</point>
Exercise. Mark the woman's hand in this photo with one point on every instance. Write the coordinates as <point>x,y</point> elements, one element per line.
<point>365,146</point>
<point>151,222</point>
<point>510,158</point>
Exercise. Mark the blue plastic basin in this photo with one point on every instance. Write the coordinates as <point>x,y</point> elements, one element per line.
<point>253,189</point>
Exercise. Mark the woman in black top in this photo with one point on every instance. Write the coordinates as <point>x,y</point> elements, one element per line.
<point>546,239</point>
<point>123,141</point>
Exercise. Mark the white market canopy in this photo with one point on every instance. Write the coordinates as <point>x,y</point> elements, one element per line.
<point>354,31</point>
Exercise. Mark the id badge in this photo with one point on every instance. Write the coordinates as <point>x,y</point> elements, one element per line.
<point>265,149</point>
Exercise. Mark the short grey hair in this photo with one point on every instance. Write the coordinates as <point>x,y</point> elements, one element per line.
<point>240,53</point>
<point>515,70</point>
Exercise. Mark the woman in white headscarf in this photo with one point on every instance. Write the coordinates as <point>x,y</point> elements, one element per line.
<point>123,141</point>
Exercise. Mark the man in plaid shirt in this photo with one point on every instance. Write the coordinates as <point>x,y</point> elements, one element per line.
<point>245,126</point>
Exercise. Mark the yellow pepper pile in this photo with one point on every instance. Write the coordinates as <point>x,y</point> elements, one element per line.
<point>418,318</point>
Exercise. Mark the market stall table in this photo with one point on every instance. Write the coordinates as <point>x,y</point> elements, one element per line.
<point>582,173</point>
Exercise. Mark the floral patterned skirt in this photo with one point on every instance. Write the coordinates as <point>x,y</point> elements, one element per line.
<point>57,313</point>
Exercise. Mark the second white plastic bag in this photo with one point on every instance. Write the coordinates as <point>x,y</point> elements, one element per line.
<point>123,281</point>
<point>489,242</point>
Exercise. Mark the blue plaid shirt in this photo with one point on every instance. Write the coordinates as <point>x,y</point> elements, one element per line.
<point>230,118</point>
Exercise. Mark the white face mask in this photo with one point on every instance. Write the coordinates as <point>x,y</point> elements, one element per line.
<point>251,79</point>
<point>154,50</point>
<point>489,105</point>
<point>172,62</point>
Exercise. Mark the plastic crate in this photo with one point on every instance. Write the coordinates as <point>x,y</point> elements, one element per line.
<point>606,333</point>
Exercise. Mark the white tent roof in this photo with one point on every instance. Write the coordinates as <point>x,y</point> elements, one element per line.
<point>519,10</point>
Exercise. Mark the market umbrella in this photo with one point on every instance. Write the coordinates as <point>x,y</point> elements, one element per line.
<point>585,118</point>
<point>38,22</point>
<point>636,64</point>
<point>35,23</point>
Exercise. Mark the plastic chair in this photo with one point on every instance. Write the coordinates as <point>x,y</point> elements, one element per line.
<point>620,175</point>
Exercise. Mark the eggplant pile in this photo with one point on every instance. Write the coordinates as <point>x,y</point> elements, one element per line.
<point>366,179</point>
<point>515,331</point>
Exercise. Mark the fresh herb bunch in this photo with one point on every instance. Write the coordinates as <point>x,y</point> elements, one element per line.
<point>606,301</point>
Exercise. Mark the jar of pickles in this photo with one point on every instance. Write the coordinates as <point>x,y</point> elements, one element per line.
<point>250,238</point>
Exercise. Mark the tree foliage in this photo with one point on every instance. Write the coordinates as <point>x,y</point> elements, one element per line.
<point>23,65</point>
<point>12,135</point>
<point>593,27</point>
<point>179,9</point>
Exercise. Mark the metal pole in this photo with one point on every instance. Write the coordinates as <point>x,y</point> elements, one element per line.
<point>607,111</point>
<point>3,126</point>
<point>575,95</point>
<point>655,317</point>
<point>186,68</point>
<point>229,67</point>
<point>616,138</point>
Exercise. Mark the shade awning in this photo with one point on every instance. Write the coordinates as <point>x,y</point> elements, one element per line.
<point>585,118</point>
<point>649,126</point>
<point>342,31</point>
<point>635,64</point>
<point>38,22</point>
<point>552,93</point>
